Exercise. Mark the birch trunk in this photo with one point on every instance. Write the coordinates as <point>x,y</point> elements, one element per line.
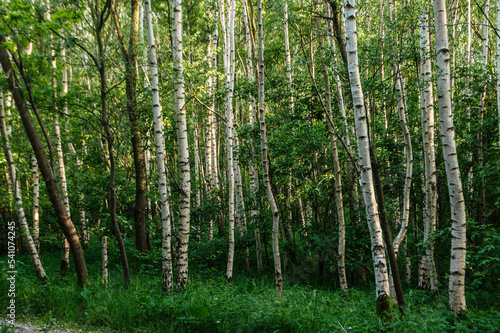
<point>229,67</point>
<point>167,280</point>
<point>105,276</point>
<point>182,147</point>
<point>36,203</point>
<point>409,159</point>
<point>17,196</point>
<point>427,273</point>
<point>457,203</point>
<point>338,186</point>
<point>360,115</point>
<point>265,160</point>
<point>254,173</point>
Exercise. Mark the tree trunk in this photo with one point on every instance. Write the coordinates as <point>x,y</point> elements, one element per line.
<point>254,172</point>
<point>229,68</point>
<point>50,181</point>
<point>167,279</point>
<point>99,23</point>
<point>360,115</point>
<point>183,148</point>
<point>131,64</point>
<point>427,273</point>
<point>457,203</point>
<point>105,260</point>
<point>265,160</point>
<point>17,196</point>
<point>36,203</point>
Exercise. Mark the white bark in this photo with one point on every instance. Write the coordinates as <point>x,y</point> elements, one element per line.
<point>182,146</point>
<point>427,273</point>
<point>105,276</point>
<point>457,203</point>
<point>360,115</point>
<point>17,196</point>
<point>254,173</point>
<point>409,159</point>
<point>229,66</point>
<point>36,203</point>
<point>265,160</point>
<point>167,284</point>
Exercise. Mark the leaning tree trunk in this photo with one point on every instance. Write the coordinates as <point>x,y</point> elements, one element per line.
<point>377,242</point>
<point>409,159</point>
<point>458,217</point>
<point>16,191</point>
<point>167,284</point>
<point>183,148</point>
<point>265,160</point>
<point>48,175</point>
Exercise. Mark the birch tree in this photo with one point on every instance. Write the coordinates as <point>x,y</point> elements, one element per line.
<point>265,159</point>
<point>360,116</point>
<point>182,147</point>
<point>427,273</point>
<point>458,217</point>
<point>17,196</point>
<point>167,284</point>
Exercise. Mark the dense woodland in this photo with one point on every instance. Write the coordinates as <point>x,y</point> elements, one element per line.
<point>327,145</point>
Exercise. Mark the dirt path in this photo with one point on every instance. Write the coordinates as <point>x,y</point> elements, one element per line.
<point>28,327</point>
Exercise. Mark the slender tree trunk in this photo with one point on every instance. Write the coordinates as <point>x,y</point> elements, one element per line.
<point>131,65</point>
<point>167,279</point>
<point>48,175</point>
<point>427,273</point>
<point>105,122</point>
<point>360,115</point>
<point>17,196</point>
<point>457,203</point>
<point>480,154</point>
<point>409,159</point>
<point>265,160</point>
<point>36,203</point>
<point>183,148</point>
<point>229,67</point>
<point>254,173</point>
<point>105,276</point>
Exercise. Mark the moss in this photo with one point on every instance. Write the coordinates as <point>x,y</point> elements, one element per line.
<point>384,308</point>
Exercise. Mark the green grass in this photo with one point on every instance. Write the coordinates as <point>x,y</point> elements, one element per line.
<point>248,304</point>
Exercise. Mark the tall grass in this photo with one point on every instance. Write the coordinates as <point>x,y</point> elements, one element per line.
<point>248,304</point>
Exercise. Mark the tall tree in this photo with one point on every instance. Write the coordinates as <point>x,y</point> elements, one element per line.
<point>360,116</point>
<point>182,147</point>
<point>130,57</point>
<point>457,203</point>
<point>16,191</point>
<point>167,284</point>
<point>265,158</point>
<point>46,170</point>
<point>427,269</point>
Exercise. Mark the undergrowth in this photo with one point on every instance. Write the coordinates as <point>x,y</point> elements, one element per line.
<point>248,304</point>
